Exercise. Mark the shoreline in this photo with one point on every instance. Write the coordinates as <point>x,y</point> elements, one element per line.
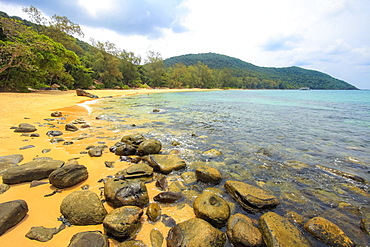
<point>34,108</point>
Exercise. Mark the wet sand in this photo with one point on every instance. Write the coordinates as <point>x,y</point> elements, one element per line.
<point>34,108</point>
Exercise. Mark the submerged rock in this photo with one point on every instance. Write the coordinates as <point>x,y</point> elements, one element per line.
<point>327,232</point>
<point>365,225</point>
<point>89,238</point>
<point>25,128</point>
<point>156,238</point>
<point>208,174</point>
<point>242,232</point>
<point>212,153</point>
<point>68,175</point>
<point>166,163</point>
<point>11,213</point>
<point>195,232</point>
<point>153,212</point>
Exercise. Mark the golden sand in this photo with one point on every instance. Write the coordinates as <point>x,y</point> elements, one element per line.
<point>33,108</point>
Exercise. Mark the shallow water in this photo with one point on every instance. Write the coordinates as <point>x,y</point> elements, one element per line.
<point>270,138</point>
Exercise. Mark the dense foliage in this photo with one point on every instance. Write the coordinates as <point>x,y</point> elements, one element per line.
<point>44,53</point>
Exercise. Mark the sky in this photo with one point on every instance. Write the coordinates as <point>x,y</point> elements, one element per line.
<point>331,36</point>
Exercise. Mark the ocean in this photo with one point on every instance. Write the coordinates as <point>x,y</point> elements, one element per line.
<point>310,148</point>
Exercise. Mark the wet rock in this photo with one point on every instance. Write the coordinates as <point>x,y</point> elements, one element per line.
<point>35,135</point>
<point>26,147</point>
<point>133,243</point>
<point>168,221</point>
<point>35,183</point>
<point>11,213</point>
<point>156,238</point>
<point>33,170</point>
<point>25,128</point>
<point>242,232</point>
<point>4,188</point>
<point>56,140</point>
<point>156,110</point>
<point>70,127</point>
<point>109,164</point>
<point>250,197</point>
<point>161,182</point>
<point>42,234</point>
<point>89,238</point>
<point>166,163</point>
<point>212,208</point>
<point>125,150</point>
<point>124,222</point>
<point>138,170</point>
<point>96,151</point>
<point>365,225</point>
<point>81,92</point>
<point>9,161</point>
<point>153,212</point>
<point>342,174</point>
<point>212,153</point>
<point>327,232</point>
<point>208,174</point>
<point>134,140</point>
<point>123,193</point>
<point>167,197</point>
<point>278,231</point>
<point>83,208</point>
<point>52,133</point>
<point>188,178</point>
<point>56,114</point>
<point>150,146</point>
<point>294,217</point>
<point>68,175</point>
<point>195,232</point>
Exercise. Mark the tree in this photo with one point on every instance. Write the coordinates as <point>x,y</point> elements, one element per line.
<point>155,71</point>
<point>129,67</point>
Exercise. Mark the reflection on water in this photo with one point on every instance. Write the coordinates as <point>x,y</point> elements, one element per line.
<point>279,140</point>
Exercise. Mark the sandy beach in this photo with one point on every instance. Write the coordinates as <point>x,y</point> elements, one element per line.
<point>34,108</point>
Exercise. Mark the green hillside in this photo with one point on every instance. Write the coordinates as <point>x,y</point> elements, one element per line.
<point>288,77</point>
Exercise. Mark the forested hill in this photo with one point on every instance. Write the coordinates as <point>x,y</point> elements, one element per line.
<point>263,77</point>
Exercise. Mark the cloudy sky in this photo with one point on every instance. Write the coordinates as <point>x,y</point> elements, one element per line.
<point>332,36</point>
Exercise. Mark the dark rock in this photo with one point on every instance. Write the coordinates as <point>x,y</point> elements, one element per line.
<point>96,151</point>
<point>26,147</point>
<point>42,234</point>
<point>167,197</point>
<point>124,222</point>
<point>137,170</point>
<point>125,150</point>
<point>33,170</point>
<point>250,197</point>
<point>150,146</point>
<point>134,140</point>
<point>70,127</point>
<point>153,212</point>
<point>11,213</point>
<point>56,140</point>
<point>166,163</point>
<point>195,232</point>
<point>81,92</point>
<point>56,114</point>
<point>212,208</point>
<point>89,238</point>
<point>35,135</point>
<point>242,232</point>
<point>4,188</point>
<point>208,174</point>
<point>168,221</point>
<point>156,238</point>
<point>68,143</point>
<point>83,208</point>
<point>278,231</point>
<point>156,110</point>
<point>327,232</point>
<point>35,183</point>
<point>109,164</point>
<point>365,225</point>
<point>52,133</point>
<point>161,182</point>
<point>9,161</point>
<point>68,176</point>
<point>44,151</point>
<point>133,243</point>
<point>123,193</point>
<point>25,127</point>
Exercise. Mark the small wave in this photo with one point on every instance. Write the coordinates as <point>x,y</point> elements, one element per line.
<point>87,103</point>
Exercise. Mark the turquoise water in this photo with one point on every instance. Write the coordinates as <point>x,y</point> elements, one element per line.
<point>271,138</point>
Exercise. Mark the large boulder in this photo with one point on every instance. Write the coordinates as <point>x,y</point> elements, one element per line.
<point>133,140</point>
<point>278,231</point>
<point>251,198</point>
<point>83,208</point>
<point>166,163</point>
<point>242,232</point>
<point>193,233</point>
<point>124,222</point>
<point>212,208</point>
<point>81,92</point>
<point>89,238</point>
<point>9,161</point>
<point>25,128</point>
<point>208,174</point>
<point>327,232</point>
<point>68,175</point>
<point>11,213</point>
<point>33,170</point>
<point>150,146</point>
<point>123,193</point>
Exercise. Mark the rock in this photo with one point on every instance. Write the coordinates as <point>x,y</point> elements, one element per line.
<point>33,170</point>
<point>212,153</point>
<point>35,135</point>
<point>365,225</point>
<point>133,243</point>
<point>150,146</point>
<point>153,212</point>
<point>41,233</point>
<point>81,92</point>
<point>212,208</point>
<point>35,183</point>
<point>327,232</point>
<point>96,151</point>
<point>242,232</point>
<point>156,110</point>
<point>161,183</point>
<point>342,174</point>
<point>56,140</point>
<point>109,164</point>
<point>168,221</point>
<point>26,147</point>
<point>25,128</point>
<point>167,197</point>
<point>250,197</point>
<point>11,213</point>
<point>166,163</point>
<point>208,174</point>
<point>188,178</point>
<point>125,150</point>
<point>156,238</point>
<point>195,232</point>
<point>52,133</point>
<point>123,193</point>
<point>9,161</point>
<point>71,127</point>
<point>89,238</point>
<point>56,114</point>
<point>133,140</point>
<point>137,171</point>
<point>294,217</point>
<point>68,176</point>
<point>3,188</point>
<point>124,222</point>
<point>278,231</point>
<point>83,208</point>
